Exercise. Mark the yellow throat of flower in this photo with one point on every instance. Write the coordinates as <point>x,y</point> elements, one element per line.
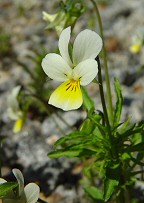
<point>72,85</point>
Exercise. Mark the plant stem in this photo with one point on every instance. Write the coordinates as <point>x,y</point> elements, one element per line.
<point>0,158</point>
<point>109,97</point>
<point>103,99</point>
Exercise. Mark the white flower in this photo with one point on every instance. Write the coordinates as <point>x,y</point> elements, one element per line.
<point>29,194</point>
<point>57,20</point>
<point>14,112</point>
<point>80,69</point>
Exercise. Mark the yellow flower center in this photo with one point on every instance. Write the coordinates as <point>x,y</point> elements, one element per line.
<point>73,85</point>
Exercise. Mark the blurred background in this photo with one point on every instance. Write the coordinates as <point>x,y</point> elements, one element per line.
<point>29,126</point>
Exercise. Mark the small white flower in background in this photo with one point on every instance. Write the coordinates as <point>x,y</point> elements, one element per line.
<point>80,69</point>
<point>56,20</point>
<point>13,111</point>
<point>137,41</point>
<point>27,194</point>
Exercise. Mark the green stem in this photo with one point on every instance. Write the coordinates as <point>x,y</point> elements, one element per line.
<point>103,100</point>
<point>109,97</point>
<point>0,158</point>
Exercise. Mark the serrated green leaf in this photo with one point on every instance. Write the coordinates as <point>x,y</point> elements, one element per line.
<point>118,108</point>
<point>94,193</point>
<point>87,101</point>
<point>7,187</point>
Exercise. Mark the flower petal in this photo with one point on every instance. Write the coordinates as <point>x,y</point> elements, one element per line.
<point>2,180</point>
<point>87,45</point>
<point>48,17</point>
<point>55,67</point>
<point>12,98</point>
<point>86,71</point>
<point>31,192</point>
<point>63,45</point>
<point>18,125</point>
<point>67,96</point>
<point>19,176</point>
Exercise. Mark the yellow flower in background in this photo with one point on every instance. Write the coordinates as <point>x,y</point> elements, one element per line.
<point>14,112</point>
<point>78,70</point>
<point>135,48</point>
<point>137,41</point>
<point>18,125</point>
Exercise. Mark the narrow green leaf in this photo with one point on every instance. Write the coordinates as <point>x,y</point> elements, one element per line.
<point>7,187</point>
<point>68,153</point>
<point>124,126</point>
<point>94,193</point>
<point>71,152</point>
<point>109,187</point>
<point>68,137</point>
<point>87,101</point>
<point>87,127</point>
<point>118,109</point>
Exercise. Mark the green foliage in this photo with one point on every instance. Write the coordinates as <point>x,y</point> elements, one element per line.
<point>67,15</point>
<point>113,150</point>
<point>118,109</point>
<point>94,193</point>
<point>5,188</point>
<point>87,101</point>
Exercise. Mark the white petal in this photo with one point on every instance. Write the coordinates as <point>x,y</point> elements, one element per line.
<point>12,98</point>
<point>86,71</point>
<point>63,44</point>
<point>55,67</point>
<point>31,192</point>
<point>14,114</point>
<point>48,17</point>
<point>19,176</point>
<point>87,45</point>
<point>2,180</point>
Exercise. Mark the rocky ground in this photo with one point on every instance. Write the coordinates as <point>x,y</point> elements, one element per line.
<point>24,31</point>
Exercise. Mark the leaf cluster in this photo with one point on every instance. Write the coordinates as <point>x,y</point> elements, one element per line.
<point>115,151</point>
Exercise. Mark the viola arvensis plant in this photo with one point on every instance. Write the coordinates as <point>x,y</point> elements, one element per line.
<point>75,71</point>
